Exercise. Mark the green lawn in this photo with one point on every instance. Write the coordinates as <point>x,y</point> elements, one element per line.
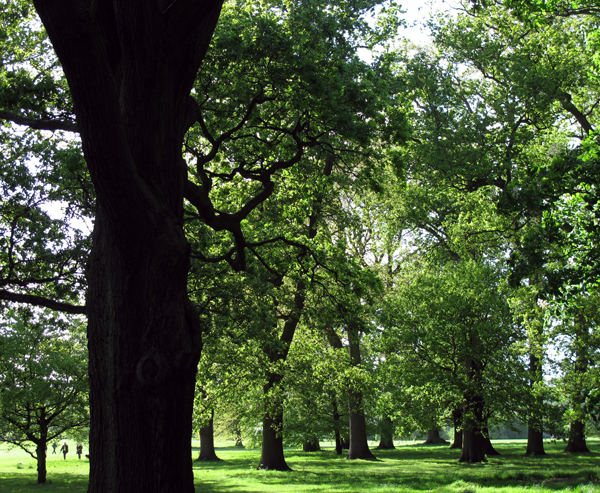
<point>409,468</point>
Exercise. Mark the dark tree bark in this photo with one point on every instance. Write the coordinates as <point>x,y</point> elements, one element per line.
<point>535,441</point>
<point>311,445</point>
<point>272,457</point>
<point>434,438</point>
<point>576,443</point>
<point>457,423</point>
<point>488,448</point>
<point>535,434</point>
<point>336,428</point>
<point>130,67</point>
<point>386,428</point>
<point>359,446</point>
<point>473,444</point>
<point>41,461</point>
<point>207,441</point>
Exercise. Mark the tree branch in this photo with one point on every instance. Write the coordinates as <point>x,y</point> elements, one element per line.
<point>41,301</point>
<point>36,124</point>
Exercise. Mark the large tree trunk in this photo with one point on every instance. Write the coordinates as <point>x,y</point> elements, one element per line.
<point>386,428</point>
<point>576,441</point>
<point>272,457</point>
<point>207,441</point>
<point>473,444</point>
<point>40,453</point>
<point>535,441</point>
<point>359,446</point>
<point>130,67</point>
<point>434,438</point>
<point>457,423</point>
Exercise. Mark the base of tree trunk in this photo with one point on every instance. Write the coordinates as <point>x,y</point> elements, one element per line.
<point>576,443</point>
<point>208,458</point>
<point>473,448</point>
<point>575,448</point>
<point>488,448</point>
<point>311,446</point>
<point>535,442</point>
<point>434,438</point>
<point>364,455</point>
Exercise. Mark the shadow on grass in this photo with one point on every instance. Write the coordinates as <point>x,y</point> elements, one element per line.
<point>417,468</point>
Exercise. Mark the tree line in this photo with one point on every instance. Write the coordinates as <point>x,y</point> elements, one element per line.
<point>261,230</point>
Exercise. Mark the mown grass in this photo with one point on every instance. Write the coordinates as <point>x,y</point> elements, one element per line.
<point>409,468</point>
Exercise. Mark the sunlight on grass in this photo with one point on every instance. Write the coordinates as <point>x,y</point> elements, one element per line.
<point>409,468</point>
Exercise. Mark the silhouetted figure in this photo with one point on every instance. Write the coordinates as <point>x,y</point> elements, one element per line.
<point>79,450</point>
<point>65,450</point>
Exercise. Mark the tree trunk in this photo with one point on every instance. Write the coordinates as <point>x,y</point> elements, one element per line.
<point>535,441</point>
<point>41,461</point>
<point>473,444</point>
<point>272,458</point>
<point>359,446</point>
<point>386,428</point>
<point>207,441</point>
<point>434,438</point>
<point>130,70</point>
<point>457,423</point>
<point>311,445</point>
<point>535,435</point>
<point>488,448</point>
<point>576,443</point>
<point>336,427</point>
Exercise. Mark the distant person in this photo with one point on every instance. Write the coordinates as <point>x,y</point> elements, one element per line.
<point>54,445</point>
<point>65,450</point>
<point>79,450</point>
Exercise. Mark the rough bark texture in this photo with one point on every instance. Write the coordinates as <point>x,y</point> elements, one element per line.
<point>311,445</point>
<point>207,442</point>
<point>130,67</point>
<point>359,446</point>
<point>434,438</point>
<point>576,443</point>
<point>386,428</point>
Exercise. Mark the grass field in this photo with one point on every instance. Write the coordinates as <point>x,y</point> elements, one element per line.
<point>409,468</point>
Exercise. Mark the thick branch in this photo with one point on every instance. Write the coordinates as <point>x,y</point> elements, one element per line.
<point>36,124</point>
<point>41,301</point>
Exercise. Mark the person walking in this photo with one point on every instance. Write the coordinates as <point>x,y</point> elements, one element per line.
<point>79,450</point>
<point>65,450</point>
<point>54,445</point>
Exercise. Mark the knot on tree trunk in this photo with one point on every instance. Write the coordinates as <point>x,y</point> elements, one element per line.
<point>152,368</point>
